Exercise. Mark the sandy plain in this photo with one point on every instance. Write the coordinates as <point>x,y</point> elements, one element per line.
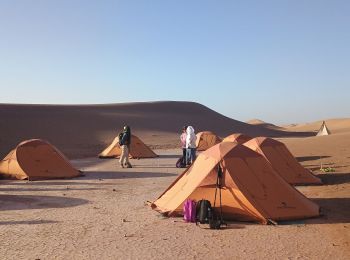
<point>104,215</point>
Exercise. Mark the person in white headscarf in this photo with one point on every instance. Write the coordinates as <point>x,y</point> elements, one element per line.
<point>190,145</point>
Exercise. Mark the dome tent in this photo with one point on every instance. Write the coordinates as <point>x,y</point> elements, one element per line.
<point>252,190</point>
<point>282,161</point>
<point>138,149</point>
<point>238,138</point>
<point>206,140</point>
<point>36,159</point>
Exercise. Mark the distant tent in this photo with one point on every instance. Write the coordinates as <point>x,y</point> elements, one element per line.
<point>206,140</point>
<point>282,161</point>
<point>36,159</point>
<point>323,130</point>
<point>137,149</point>
<point>252,190</point>
<point>237,138</point>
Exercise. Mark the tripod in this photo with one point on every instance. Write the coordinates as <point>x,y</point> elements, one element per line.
<point>218,222</point>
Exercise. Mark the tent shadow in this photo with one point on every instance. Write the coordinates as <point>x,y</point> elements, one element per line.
<point>334,178</point>
<point>234,226</point>
<point>27,222</point>
<point>334,210</point>
<point>311,158</point>
<point>23,202</point>
<point>224,227</point>
<point>93,175</point>
<point>45,189</point>
<point>170,156</point>
<point>153,166</point>
<point>48,183</point>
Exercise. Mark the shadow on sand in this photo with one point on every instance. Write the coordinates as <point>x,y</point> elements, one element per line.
<point>22,202</point>
<point>93,175</point>
<point>27,222</point>
<point>46,189</point>
<point>334,210</point>
<point>229,225</point>
<point>311,158</point>
<point>154,166</point>
<point>334,178</point>
<point>50,182</point>
<point>170,156</point>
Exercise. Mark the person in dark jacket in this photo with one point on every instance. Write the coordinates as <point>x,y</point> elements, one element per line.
<point>125,142</point>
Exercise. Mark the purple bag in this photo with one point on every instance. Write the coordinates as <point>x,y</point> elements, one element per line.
<point>189,210</point>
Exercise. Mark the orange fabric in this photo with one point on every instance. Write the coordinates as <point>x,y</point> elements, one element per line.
<point>282,161</point>
<point>252,190</point>
<point>237,138</point>
<point>36,159</point>
<point>206,140</point>
<point>137,149</point>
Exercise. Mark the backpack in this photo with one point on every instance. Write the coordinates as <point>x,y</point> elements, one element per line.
<point>189,210</point>
<point>120,136</point>
<point>180,163</point>
<point>204,212</point>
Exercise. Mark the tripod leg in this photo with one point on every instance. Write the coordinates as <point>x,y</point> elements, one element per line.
<point>216,189</point>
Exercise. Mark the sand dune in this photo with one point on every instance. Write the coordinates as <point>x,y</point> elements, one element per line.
<point>84,130</point>
<point>339,125</point>
<point>264,124</point>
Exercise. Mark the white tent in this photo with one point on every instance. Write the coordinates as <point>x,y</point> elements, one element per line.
<point>323,130</point>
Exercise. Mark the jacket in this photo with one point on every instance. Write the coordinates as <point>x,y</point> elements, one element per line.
<point>183,140</point>
<point>190,138</point>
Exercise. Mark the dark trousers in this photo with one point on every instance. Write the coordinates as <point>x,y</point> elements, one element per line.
<point>184,156</point>
<point>190,155</point>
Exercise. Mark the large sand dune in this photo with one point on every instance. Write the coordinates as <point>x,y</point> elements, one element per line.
<point>84,130</point>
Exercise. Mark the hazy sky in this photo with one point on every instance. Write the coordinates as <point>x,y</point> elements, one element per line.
<point>281,61</point>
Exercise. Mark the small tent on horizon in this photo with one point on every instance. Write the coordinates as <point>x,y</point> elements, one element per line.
<point>36,159</point>
<point>252,190</point>
<point>323,130</point>
<point>138,149</point>
<point>206,139</point>
<point>282,161</point>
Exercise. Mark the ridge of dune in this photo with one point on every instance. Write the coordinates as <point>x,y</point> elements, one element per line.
<point>335,125</point>
<point>260,122</point>
<point>256,121</point>
<point>84,130</point>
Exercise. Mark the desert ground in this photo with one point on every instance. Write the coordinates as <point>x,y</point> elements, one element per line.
<point>105,214</point>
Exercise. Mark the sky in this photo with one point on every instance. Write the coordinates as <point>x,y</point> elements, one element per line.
<point>282,61</point>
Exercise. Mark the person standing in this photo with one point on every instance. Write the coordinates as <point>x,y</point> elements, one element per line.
<point>190,145</point>
<point>183,144</point>
<point>125,142</point>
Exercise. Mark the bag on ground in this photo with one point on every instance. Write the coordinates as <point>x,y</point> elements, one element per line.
<point>189,211</point>
<point>203,211</point>
<point>180,163</point>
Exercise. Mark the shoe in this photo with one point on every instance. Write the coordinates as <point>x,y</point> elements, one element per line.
<point>128,165</point>
<point>122,165</point>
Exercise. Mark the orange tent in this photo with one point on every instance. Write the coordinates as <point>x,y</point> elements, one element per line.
<point>282,161</point>
<point>36,159</point>
<point>252,190</point>
<point>137,149</point>
<point>206,140</point>
<point>237,138</point>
